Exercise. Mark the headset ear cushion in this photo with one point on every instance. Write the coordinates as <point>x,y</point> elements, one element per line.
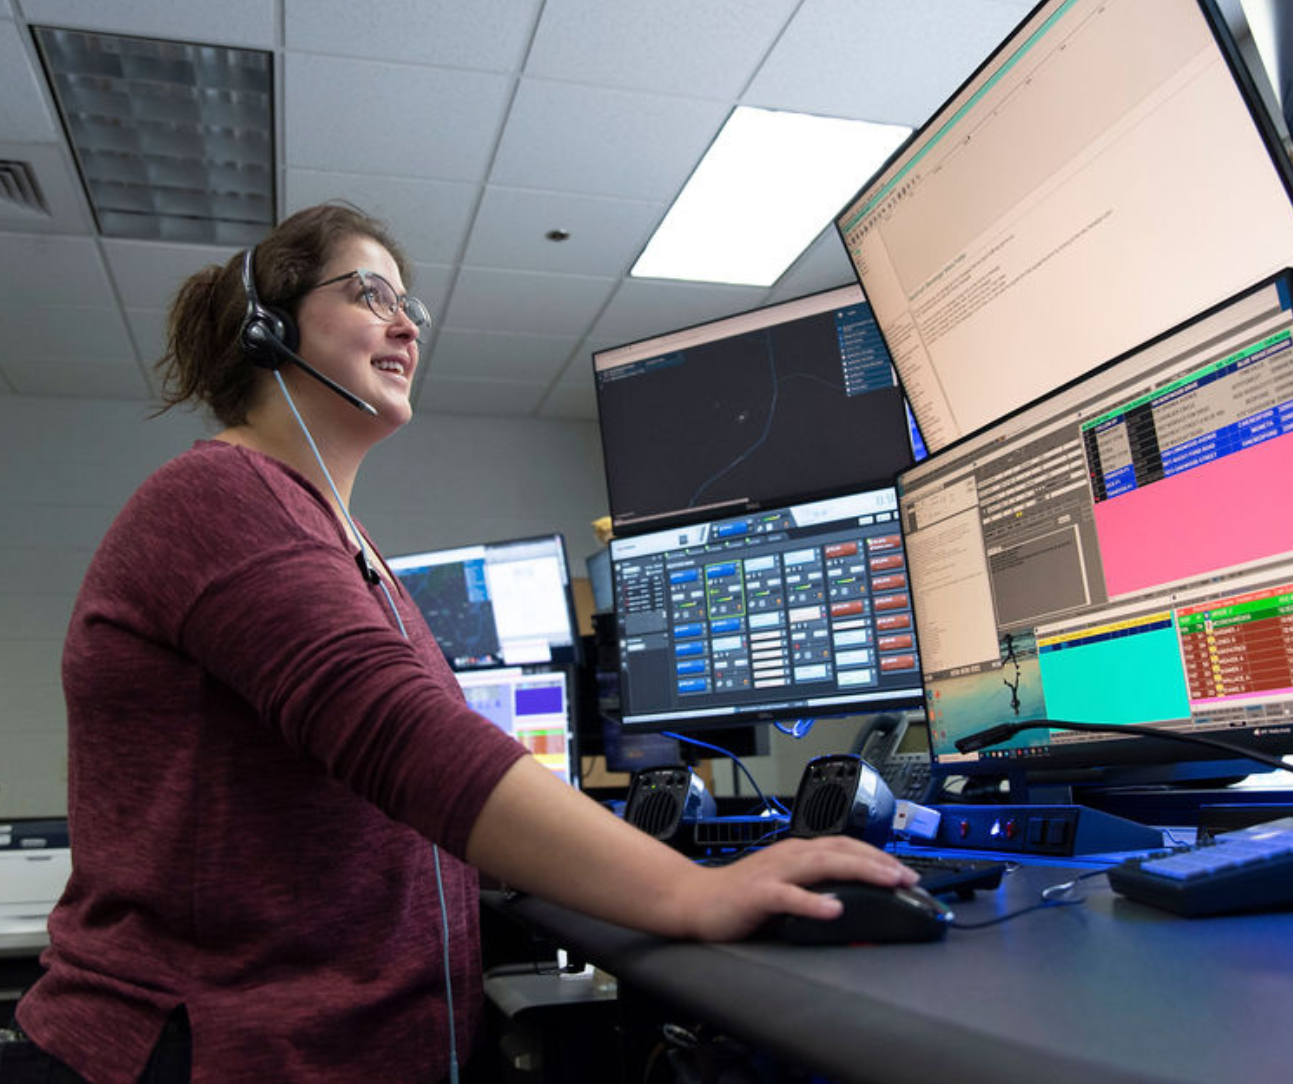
<point>285,330</point>
<point>264,323</point>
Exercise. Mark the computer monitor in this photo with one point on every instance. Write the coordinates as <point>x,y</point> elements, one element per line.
<point>497,603</point>
<point>533,707</point>
<point>1118,552</point>
<point>1106,174</point>
<point>787,402</point>
<point>794,612</point>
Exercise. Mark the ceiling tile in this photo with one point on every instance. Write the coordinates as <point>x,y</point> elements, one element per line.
<point>572,398</point>
<point>428,218</point>
<point>568,138</point>
<point>24,113</point>
<point>78,379</point>
<point>148,329</point>
<point>397,119</point>
<point>231,22</point>
<point>63,332</point>
<point>700,48</point>
<point>606,235</point>
<point>580,365</point>
<point>148,274</point>
<point>642,308</point>
<point>500,355</point>
<point>570,403</point>
<point>431,284</point>
<point>522,301</point>
<point>823,266</point>
<point>50,268</point>
<point>488,35</point>
<point>897,65</point>
<point>454,395</point>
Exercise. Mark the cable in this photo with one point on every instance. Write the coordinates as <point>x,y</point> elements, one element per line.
<point>1052,896</point>
<point>798,729</point>
<point>372,576</point>
<point>995,735</point>
<point>448,983</point>
<point>770,804</point>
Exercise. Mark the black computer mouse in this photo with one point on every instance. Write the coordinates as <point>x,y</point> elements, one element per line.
<point>872,913</point>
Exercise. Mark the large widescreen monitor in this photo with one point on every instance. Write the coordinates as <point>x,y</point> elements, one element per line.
<point>1119,552</point>
<point>793,612</point>
<point>534,707</point>
<point>780,404</point>
<point>497,603</point>
<point>1106,174</point>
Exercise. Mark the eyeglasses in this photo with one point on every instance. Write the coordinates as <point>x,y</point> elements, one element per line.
<point>382,300</point>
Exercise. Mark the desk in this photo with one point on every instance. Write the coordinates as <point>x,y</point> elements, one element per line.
<point>1108,991</point>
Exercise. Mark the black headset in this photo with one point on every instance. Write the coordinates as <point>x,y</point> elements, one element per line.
<point>269,337</point>
<point>267,334</point>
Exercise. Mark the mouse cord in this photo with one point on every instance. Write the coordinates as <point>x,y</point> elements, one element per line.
<point>381,582</point>
<point>1052,896</point>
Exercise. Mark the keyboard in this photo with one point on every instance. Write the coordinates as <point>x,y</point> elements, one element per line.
<point>1247,870</point>
<point>943,875</point>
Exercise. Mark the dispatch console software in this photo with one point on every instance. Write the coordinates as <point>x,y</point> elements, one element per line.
<point>802,610</point>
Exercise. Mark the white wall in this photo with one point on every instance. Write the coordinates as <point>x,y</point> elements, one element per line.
<point>67,466</point>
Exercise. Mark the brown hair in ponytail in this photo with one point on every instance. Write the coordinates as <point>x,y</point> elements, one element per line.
<point>203,362</point>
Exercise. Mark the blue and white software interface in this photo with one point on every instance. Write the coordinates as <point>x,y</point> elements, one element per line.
<point>791,612</point>
<point>750,411</point>
<point>495,604</point>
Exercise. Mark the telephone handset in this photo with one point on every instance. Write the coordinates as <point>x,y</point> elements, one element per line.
<point>900,753</point>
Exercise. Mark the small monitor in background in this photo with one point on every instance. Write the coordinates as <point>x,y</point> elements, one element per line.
<point>626,751</point>
<point>791,401</point>
<point>497,603</point>
<point>1106,174</point>
<point>535,708</point>
<point>1119,552</point>
<point>790,613</point>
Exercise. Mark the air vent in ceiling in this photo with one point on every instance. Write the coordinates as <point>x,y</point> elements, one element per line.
<point>19,191</point>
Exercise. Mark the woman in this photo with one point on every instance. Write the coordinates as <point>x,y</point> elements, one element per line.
<point>265,741</point>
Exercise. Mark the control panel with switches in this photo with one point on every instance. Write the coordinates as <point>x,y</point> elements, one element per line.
<point>1057,830</point>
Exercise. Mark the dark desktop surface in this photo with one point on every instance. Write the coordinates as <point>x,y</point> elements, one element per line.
<point>1107,990</point>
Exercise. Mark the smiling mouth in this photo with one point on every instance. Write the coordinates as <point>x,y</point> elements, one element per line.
<point>391,365</point>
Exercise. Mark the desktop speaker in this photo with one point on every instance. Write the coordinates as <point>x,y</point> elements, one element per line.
<point>842,794</point>
<point>666,802</point>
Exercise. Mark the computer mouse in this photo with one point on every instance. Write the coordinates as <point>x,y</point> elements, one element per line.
<point>872,914</point>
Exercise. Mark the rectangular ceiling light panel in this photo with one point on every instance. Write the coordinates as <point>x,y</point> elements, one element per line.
<point>174,141</point>
<point>766,188</point>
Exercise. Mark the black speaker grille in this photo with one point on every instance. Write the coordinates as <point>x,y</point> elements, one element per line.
<point>825,809</point>
<point>658,814</point>
<point>657,800</point>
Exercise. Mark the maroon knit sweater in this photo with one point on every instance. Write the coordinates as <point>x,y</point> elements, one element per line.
<point>257,759</point>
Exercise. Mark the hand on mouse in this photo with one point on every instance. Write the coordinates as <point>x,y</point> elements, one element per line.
<point>727,903</point>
